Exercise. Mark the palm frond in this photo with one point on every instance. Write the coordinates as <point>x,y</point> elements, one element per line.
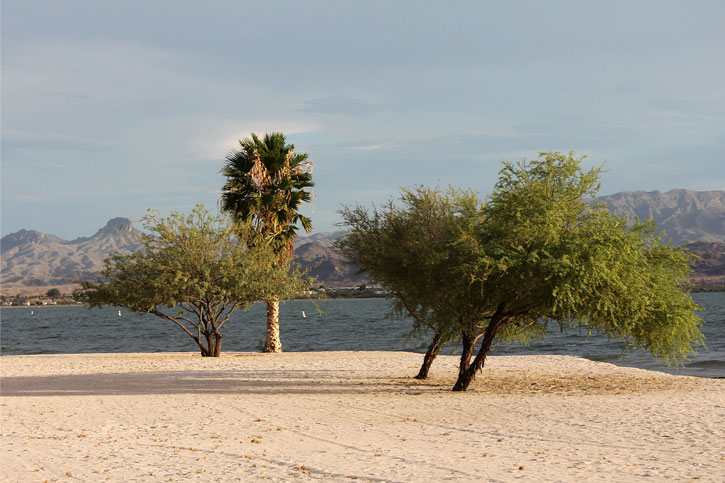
<point>266,184</point>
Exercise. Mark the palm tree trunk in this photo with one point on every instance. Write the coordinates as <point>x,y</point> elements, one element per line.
<point>273,343</point>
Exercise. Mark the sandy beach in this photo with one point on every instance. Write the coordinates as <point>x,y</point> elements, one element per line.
<point>345,416</point>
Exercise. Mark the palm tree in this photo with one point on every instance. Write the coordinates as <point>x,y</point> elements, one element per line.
<point>266,184</point>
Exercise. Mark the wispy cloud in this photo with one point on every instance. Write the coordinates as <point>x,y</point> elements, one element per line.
<point>344,105</point>
<point>18,139</point>
<point>375,147</point>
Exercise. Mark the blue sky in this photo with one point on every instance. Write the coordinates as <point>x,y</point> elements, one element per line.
<point>113,107</point>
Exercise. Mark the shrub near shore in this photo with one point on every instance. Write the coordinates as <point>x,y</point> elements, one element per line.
<point>194,271</point>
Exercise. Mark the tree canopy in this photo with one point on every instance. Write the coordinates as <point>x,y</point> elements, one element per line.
<point>419,248</point>
<point>549,254</point>
<point>194,270</point>
<point>537,251</point>
<point>266,184</point>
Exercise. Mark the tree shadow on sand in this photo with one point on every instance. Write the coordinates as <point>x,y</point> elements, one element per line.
<point>336,382</point>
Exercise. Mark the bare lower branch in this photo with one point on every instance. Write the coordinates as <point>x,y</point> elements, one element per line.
<point>415,315</point>
<point>191,322</point>
<point>172,319</point>
<point>523,326</point>
<point>229,314</point>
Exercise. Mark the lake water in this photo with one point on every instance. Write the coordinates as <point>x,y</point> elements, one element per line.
<point>341,325</point>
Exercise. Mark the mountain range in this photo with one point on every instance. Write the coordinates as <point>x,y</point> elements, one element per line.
<point>32,262</point>
<point>686,216</point>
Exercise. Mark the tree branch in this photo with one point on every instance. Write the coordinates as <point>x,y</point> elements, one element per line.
<point>234,307</point>
<point>172,319</point>
<point>415,315</point>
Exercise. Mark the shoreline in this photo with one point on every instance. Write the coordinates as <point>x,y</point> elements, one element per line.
<point>352,415</point>
<point>33,307</point>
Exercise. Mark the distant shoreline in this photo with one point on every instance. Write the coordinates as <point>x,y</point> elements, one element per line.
<point>258,302</point>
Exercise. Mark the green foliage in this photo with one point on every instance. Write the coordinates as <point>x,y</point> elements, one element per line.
<point>266,184</point>
<point>538,251</point>
<point>550,254</point>
<point>53,293</point>
<point>420,249</point>
<point>194,270</point>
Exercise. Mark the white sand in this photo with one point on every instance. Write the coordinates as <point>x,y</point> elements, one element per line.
<point>352,415</point>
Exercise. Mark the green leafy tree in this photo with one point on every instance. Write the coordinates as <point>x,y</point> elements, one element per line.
<point>546,254</point>
<point>536,253</point>
<point>420,250</point>
<point>194,271</point>
<point>53,293</point>
<point>266,184</point>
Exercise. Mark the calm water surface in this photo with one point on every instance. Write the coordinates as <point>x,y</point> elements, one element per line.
<point>341,325</point>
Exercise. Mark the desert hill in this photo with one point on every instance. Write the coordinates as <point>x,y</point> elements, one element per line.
<point>710,268</point>
<point>325,264</point>
<point>32,262</point>
<point>687,216</point>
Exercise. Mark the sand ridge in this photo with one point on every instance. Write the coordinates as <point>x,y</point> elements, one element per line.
<point>352,415</point>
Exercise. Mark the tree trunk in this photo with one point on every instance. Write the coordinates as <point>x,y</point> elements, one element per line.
<point>468,374</point>
<point>208,350</point>
<point>273,343</point>
<point>429,356</point>
<point>468,342</point>
<point>217,345</point>
<point>202,349</point>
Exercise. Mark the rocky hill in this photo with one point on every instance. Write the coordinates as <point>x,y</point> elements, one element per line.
<point>687,216</point>
<point>325,264</point>
<point>32,262</point>
<point>709,270</point>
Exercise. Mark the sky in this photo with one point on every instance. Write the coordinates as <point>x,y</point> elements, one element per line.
<point>110,108</point>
